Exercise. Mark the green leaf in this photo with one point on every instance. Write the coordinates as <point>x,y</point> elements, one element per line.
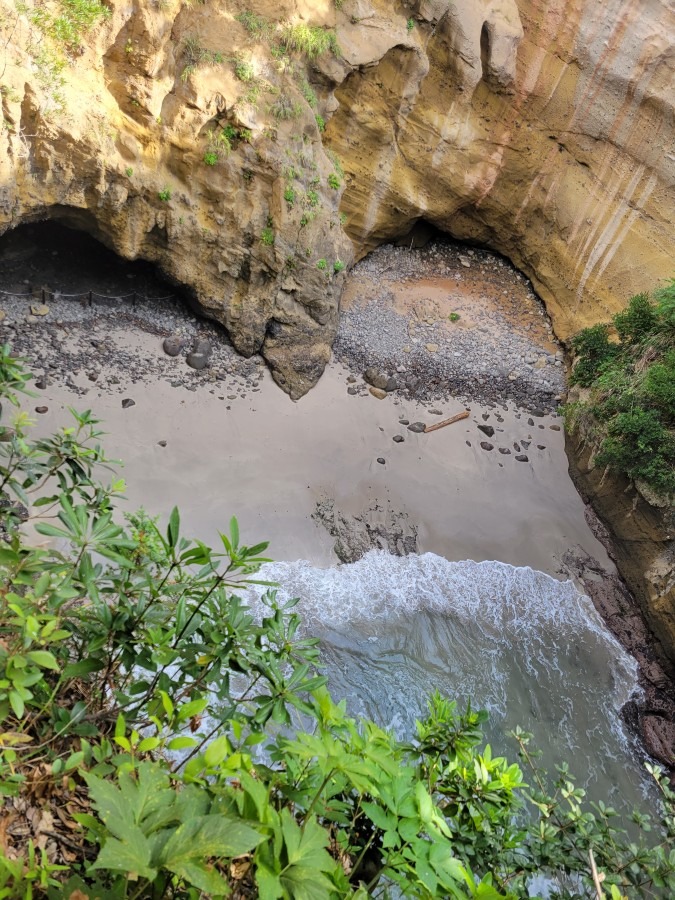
<point>202,876</point>
<point>173,529</point>
<point>43,658</point>
<point>17,704</point>
<point>182,743</point>
<point>210,835</point>
<point>84,667</point>
<point>234,533</point>
<point>217,750</point>
<point>110,804</point>
<point>131,855</point>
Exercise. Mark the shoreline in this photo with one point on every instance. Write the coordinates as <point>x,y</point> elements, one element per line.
<point>226,440</point>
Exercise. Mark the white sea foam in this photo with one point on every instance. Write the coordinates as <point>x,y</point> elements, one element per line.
<point>530,649</point>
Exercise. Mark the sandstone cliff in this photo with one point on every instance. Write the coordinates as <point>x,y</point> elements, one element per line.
<point>542,128</point>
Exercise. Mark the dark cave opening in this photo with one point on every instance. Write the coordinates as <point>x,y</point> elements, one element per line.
<point>42,259</point>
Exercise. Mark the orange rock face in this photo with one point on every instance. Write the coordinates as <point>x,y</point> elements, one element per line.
<point>542,129</point>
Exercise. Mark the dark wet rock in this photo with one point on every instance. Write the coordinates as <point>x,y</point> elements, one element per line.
<point>398,439</point>
<point>350,390</point>
<point>42,382</point>
<point>417,427</point>
<point>487,430</point>
<point>127,402</point>
<point>504,451</point>
<point>485,416</point>
<point>522,457</point>
<point>541,446</point>
<point>530,421</point>
<point>539,413</point>
<point>382,461</point>
<point>486,445</point>
<point>404,421</point>
<point>468,443</point>
<point>41,409</point>
<point>554,427</point>
<point>172,345</point>
<point>516,446</point>
<point>161,443</point>
<point>373,529</point>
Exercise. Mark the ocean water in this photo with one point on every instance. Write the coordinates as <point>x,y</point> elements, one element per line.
<point>528,648</point>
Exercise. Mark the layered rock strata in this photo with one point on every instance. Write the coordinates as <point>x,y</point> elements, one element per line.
<point>183,135</point>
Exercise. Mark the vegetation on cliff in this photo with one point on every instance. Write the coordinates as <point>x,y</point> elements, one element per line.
<point>160,739</point>
<point>629,408</point>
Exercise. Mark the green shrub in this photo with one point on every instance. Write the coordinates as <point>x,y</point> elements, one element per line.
<point>637,321</point>
<point>338,266</point>
<point>410,24</point>
<point>659,386</point>
<point>594,352</point>
<point>334,181</point>
<point>638,445</point>
<point>290,195</point>
<point>665,300</point>
<point>165,194</point>
<point>454,317</point>
<point>137,690</point>
<point>267,236</point>
<point>320,122</point>
<point>631,408</point>
<point>321,264</point>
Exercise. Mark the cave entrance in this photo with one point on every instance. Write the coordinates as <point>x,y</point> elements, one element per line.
<point>448,317</point>
<point>45,260</point>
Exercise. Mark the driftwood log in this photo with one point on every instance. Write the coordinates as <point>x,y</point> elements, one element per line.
<point>456,418</point>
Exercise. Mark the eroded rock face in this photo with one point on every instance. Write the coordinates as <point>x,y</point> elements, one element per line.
<point>542,128</point>
<point>155,145</point>
<point>641,528</point>
<point>538,128</point>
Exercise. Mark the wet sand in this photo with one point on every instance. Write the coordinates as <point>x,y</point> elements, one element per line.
<point>268,461</point>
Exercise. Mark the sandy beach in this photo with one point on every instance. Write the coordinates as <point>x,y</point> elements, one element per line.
<point>269,461</point>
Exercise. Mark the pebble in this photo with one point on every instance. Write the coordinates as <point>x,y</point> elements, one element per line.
<point>432,348</point>
<point>41,409</point>
<point>376,392</point>
<point>486,445</point>
<point>554,427</point>
<point>381,460</point>
<point>522,457</point>
<point>161,443</point>
<point>127,402</point>
<point>398,439</point>
<point>172,345</point>
<point>487,430</point>
<point>417,427</point>
<point>505,451</point>
<point>39,309</point>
